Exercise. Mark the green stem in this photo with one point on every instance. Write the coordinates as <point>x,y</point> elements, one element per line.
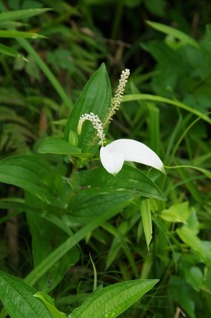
<point>159,99</point>
<point>45,69</point>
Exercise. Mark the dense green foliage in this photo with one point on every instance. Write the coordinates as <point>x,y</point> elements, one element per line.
<point>76,241</point>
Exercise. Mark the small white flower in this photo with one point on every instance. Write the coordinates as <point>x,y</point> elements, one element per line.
<point>114,154</point>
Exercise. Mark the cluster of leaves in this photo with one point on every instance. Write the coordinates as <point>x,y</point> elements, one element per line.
<point>134,227</point>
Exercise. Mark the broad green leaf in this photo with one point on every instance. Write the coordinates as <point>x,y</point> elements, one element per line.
<point>96,98</point>
<point>183,37</point>
<point>177,213</point>
<point>56,145</point>
<point>19,34</point>
<point>111,301</point>
<point>18,300</point>
<point>146,219</point>
<point>87,205</point>
<point>49,303</point>
<point>20,14</point>
<point>129,179</point>
<point>34,175</point>
<point>194,277</point>
<point>192,240</point>
<point>207,251</point>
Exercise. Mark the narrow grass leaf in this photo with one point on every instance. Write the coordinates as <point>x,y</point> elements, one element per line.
<point>19,34</point>
<point>9,51</point>
<point>154,128</point>
<point>179,35</point>
<point>20,14</point>
<point>147,220</point>
<point>160,99</point>
<point>207,173</point>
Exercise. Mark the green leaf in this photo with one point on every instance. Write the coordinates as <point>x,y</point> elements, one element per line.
<point>11,25</point>
<point>111,301</point>
<point>18,300</point>
<point>194,277</point>
<point>177,213</point>
<point>56,145</point>
<point>192,240</point>
<point>51,236</point>
<point>184,38</point>
<point>72,241</point>
<point>19,34</point>
<point>181,294</point>
<point>160,99</point>
<point>207,173</point>
<point>20,14</point>
<point>9,51</point>
<point>96,98</point>
<point>89,204</point>
<point>147,220</point>
<point>34,175</point>
<point>49,303</point>
<point>129,179</point>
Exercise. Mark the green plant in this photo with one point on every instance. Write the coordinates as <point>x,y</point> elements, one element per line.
<point>86,236</point>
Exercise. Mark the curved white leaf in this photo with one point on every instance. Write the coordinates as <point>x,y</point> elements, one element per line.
<point>114,154</point>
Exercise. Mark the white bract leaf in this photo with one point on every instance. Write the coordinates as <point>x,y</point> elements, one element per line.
<point>114,154</point>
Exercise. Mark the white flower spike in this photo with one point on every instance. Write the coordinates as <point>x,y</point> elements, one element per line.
<point>114,154</point>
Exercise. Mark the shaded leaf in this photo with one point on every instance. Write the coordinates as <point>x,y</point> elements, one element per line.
<point>194,277</point>
<point>50,236</point>
<point>89,204</point>
<point>34,175</point>
<point>129,179</point>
